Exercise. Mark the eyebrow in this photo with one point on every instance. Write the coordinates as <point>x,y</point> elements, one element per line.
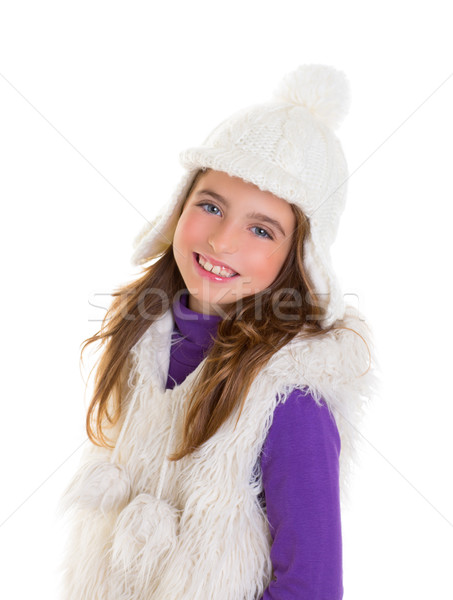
<point>252,215</point>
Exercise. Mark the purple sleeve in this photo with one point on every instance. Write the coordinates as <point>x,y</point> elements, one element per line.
<point>300,465</point>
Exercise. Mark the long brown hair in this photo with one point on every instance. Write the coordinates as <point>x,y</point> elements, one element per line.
<point>252,330</point>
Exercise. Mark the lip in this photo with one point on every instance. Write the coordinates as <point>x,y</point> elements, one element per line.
<point>211,276</point>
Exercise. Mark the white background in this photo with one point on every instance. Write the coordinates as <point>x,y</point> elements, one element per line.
<point>97,99</point>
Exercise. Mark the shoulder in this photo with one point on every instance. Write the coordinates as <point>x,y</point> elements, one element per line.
<point>337,365</point>
<point>342,352</point>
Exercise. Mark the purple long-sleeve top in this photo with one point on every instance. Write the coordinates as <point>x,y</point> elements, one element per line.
<point>300,465</point>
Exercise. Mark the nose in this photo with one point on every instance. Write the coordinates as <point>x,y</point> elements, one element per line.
<point>223,239</point>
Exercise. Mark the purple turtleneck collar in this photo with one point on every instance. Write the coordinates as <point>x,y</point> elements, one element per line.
<point>197,327</point>
<point>197,330</point>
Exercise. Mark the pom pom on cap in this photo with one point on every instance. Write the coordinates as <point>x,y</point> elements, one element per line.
<point>323,90</point>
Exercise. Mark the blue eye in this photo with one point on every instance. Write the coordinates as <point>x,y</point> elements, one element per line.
<point>210,208</point>
<point>262,233</point>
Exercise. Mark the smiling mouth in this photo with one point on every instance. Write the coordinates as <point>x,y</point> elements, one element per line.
<point>216,270</point>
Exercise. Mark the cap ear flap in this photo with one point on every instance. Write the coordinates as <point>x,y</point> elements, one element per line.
<point>157,235</point>
<point>154,239</point>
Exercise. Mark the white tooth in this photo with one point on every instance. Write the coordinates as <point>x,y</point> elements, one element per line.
<point>216,270</point>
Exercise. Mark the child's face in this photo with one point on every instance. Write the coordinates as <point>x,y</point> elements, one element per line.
<point>238,229</point>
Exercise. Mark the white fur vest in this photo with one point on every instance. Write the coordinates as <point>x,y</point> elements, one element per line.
<point>143,527</point>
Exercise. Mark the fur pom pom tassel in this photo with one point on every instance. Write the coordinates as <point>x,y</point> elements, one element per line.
<point>321,89</point>
<point>145,534</point>
<point>98,485</point>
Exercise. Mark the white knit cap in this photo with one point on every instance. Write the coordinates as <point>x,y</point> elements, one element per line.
<point>286,147</point>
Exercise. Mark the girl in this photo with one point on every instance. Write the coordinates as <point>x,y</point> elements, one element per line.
<point>231,375</point>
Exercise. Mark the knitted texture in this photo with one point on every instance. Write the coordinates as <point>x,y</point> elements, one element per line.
<point>286,147</point>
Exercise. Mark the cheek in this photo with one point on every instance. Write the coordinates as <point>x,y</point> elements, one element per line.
<point>183,234</point>
<point>271,264</point>
<point>187,232</point>
<point>260,264</point>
